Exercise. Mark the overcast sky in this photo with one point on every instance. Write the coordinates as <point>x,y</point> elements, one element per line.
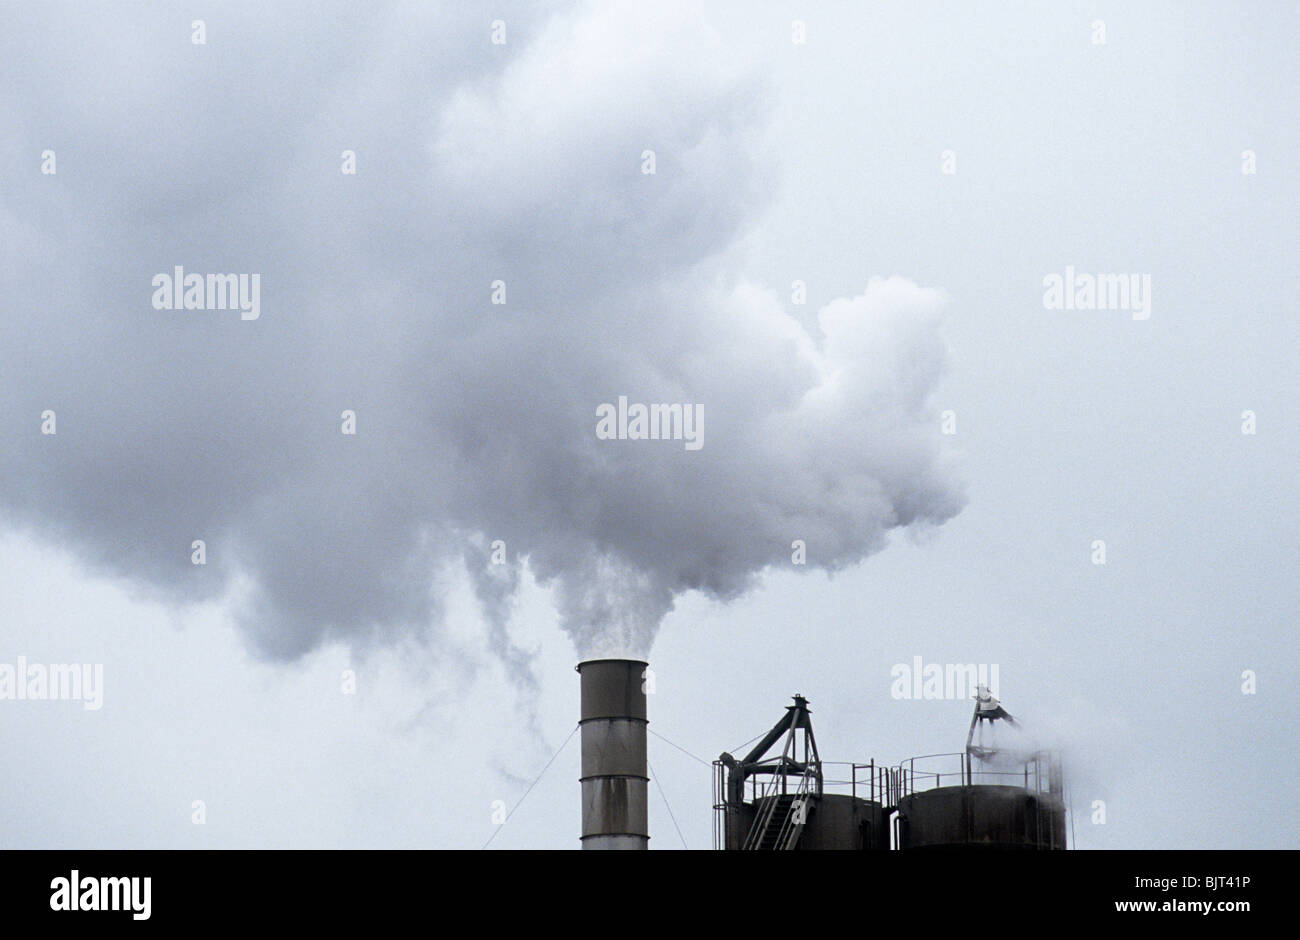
<point>948,449</point>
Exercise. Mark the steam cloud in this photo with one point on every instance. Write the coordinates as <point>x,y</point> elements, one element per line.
<point>475,422</point>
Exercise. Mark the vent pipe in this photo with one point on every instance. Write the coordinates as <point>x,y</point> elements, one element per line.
<point>614,780</point>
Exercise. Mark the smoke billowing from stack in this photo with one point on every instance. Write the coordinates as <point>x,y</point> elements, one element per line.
<point>614,779</point>
<point>820,433</point>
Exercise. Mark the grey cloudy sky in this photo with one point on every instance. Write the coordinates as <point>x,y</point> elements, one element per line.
<point>776,161</point>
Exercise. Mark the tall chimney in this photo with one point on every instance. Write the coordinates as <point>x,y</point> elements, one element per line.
<point>614,780</point>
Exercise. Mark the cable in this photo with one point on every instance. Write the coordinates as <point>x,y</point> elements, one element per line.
<point>655,777</point>
<point>745,745</point>
<point>533,784</point>
<point>680,748</point>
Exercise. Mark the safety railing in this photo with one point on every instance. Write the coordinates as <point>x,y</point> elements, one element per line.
<point>1036,772</point>
<point>797,814</point>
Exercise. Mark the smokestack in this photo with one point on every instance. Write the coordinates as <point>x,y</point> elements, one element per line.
<point>614,780</point>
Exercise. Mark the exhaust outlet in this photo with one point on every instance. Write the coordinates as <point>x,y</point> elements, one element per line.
<point>615,784</point>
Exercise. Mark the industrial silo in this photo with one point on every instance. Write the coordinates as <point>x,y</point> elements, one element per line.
<point>981,816</point>
<point>781,803</point>
<point>987,797</point>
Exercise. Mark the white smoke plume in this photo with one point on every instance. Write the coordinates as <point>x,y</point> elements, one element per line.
<point>475,421</point>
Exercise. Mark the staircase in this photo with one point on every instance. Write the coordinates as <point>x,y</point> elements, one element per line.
<point>779,823</point>
<point>783,830</point>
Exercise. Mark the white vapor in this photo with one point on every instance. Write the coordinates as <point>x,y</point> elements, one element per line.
<point>475,421</point>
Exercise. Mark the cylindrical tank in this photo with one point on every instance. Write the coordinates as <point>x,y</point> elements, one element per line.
<point>839,821</point>
<point>834,821</point>
<point>614,778</point>
<point>981,816</point>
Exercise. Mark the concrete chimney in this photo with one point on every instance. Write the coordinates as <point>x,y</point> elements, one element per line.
<point>614,780</point>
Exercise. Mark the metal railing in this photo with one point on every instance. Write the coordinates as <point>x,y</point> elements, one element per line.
<point>797,814</point>
<point>769,799</point>
<point>765,810</point>
<point>1033,772</point>
<point>723,811</point>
